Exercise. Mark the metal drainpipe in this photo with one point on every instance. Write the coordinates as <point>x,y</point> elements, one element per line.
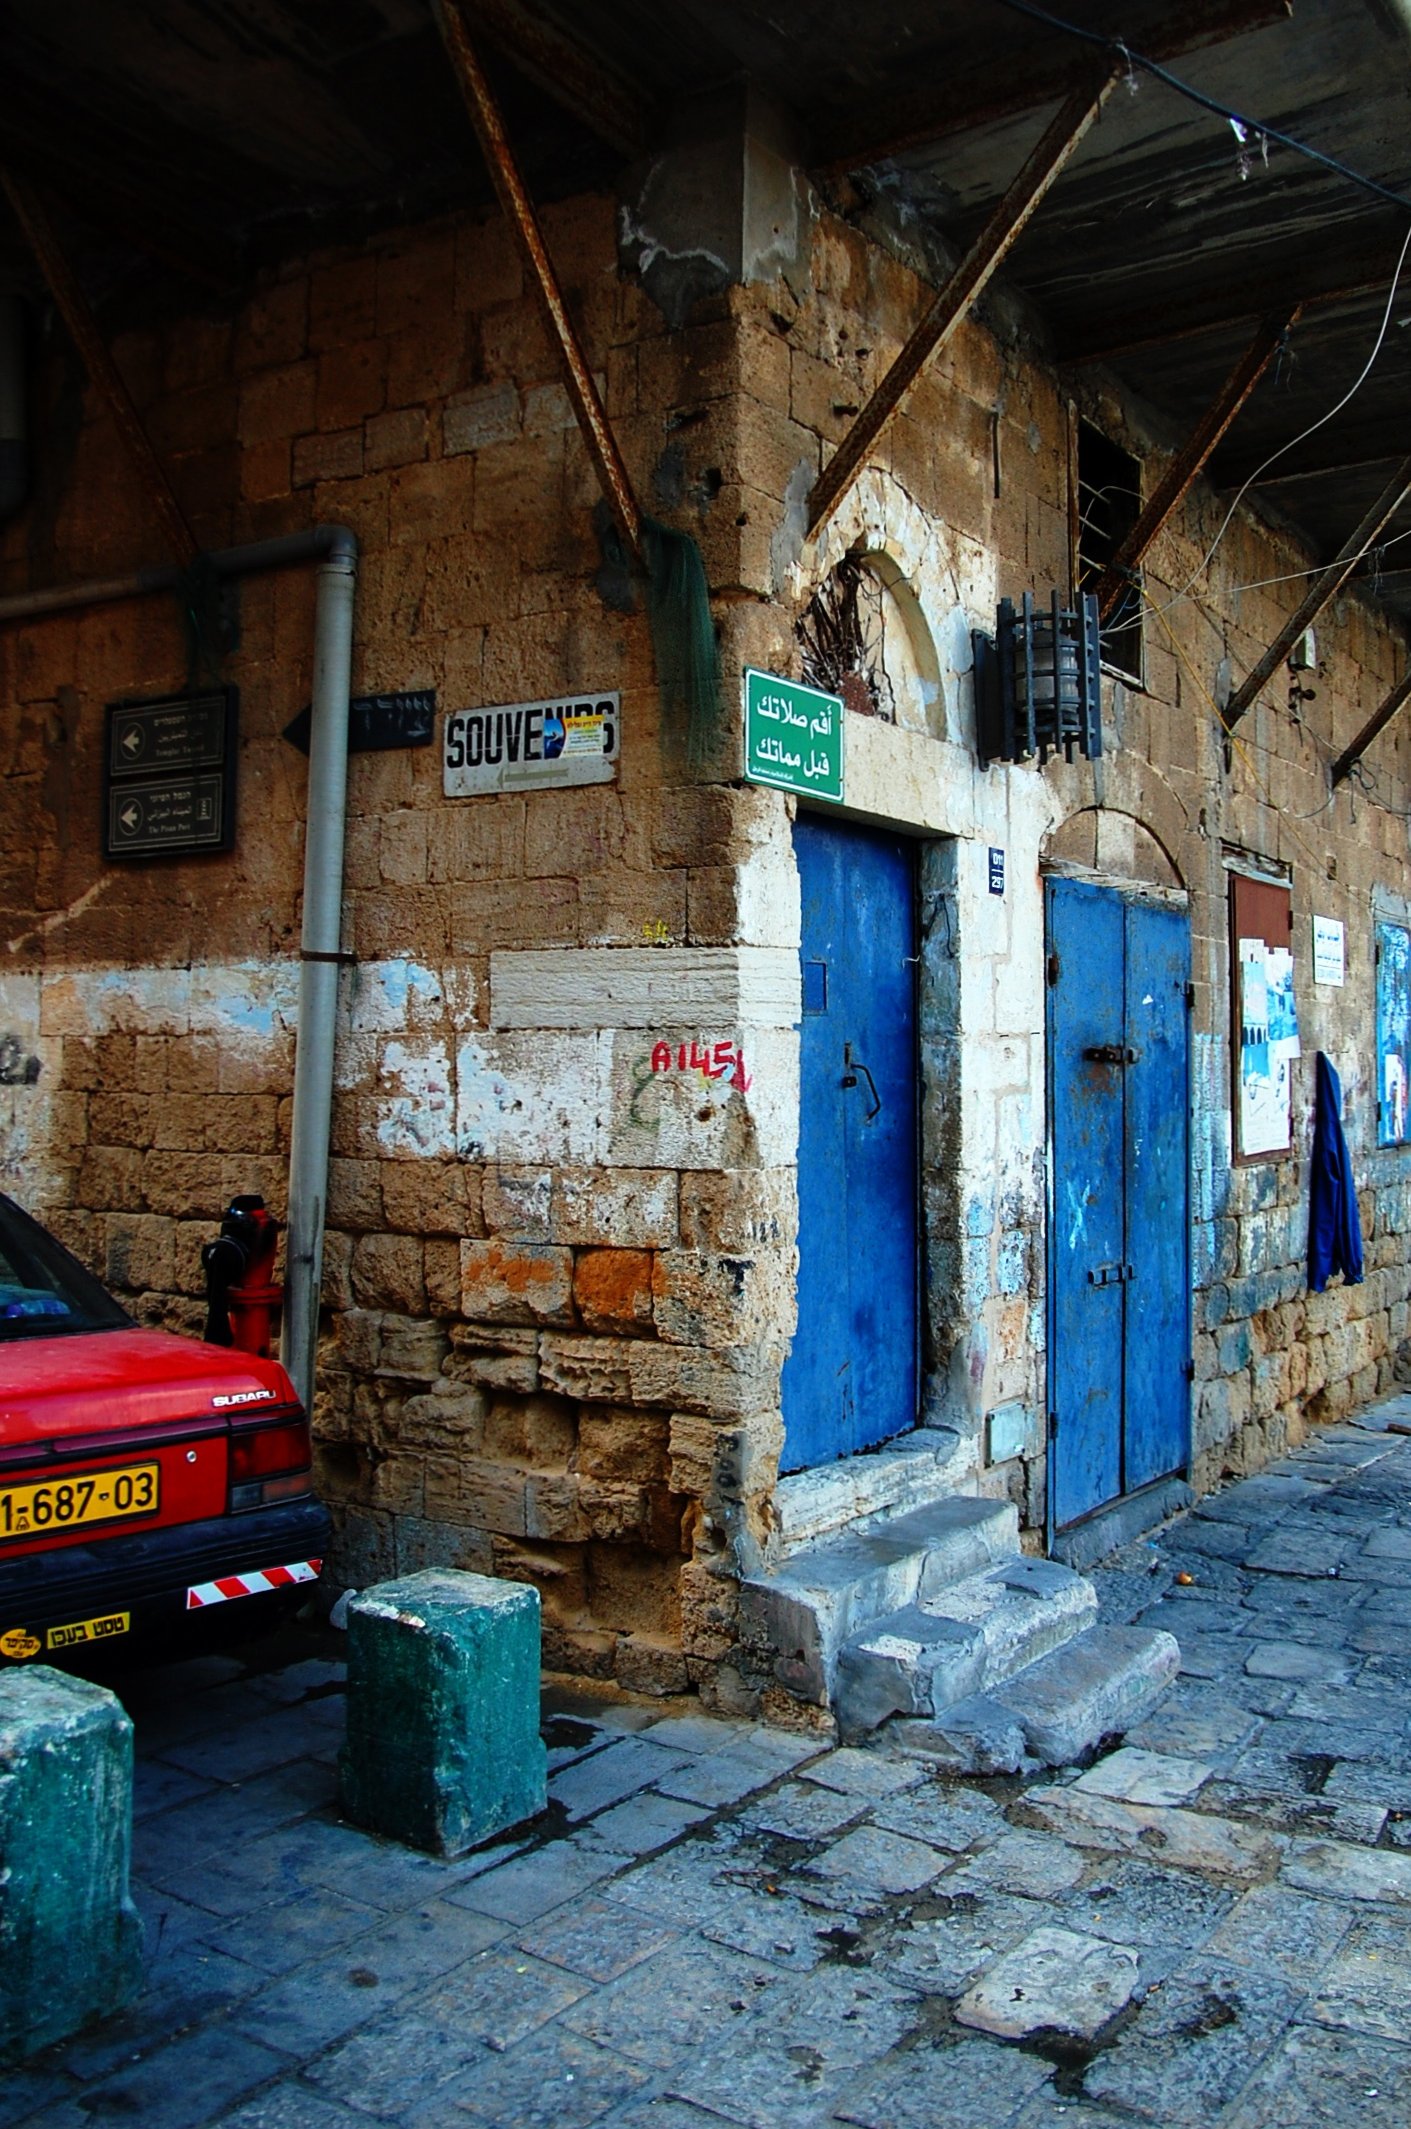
<point>335,549</point>
<point>320,959</point>
<point>14,423</point>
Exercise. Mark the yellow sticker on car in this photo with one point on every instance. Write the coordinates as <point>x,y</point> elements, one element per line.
<point>89,1630</point>
<point>19,1644</point>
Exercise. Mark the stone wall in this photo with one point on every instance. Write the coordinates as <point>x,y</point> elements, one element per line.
<point>559,1272</point>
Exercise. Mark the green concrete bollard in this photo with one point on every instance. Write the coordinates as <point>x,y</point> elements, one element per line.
<point>443,1744</point>
<point>70,1937</point>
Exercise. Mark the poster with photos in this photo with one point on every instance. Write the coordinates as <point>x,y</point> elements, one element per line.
<point>1268,1036</point>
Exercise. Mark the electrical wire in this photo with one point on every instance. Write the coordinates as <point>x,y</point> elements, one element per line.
<point>1249,128</point>
<point>1323,419</point>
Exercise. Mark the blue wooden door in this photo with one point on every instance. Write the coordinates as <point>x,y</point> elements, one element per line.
<point>851,1377</point>
<point>1119,1315</point>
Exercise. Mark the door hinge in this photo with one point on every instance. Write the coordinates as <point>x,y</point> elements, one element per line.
<point>1188,1370</point>
<point>1053,1426</point>
<point>1190,997</point>
<point>1051,968</point>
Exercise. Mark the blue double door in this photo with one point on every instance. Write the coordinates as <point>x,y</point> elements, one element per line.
<point>852,1375</point>
<point>1119,1281</point>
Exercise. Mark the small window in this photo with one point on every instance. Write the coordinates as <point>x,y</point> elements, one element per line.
<point>1393,1034</point>
<point>1109,502</point>
<point>1264,1034</point>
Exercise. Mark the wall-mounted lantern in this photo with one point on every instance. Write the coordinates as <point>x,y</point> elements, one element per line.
<point>1038,681</point>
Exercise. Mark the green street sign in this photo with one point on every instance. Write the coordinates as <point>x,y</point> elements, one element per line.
<point>793,736</point>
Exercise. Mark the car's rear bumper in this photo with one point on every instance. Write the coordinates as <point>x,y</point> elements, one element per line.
<point>147,1578</point>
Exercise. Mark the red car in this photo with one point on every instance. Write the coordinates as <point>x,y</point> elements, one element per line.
<point>154,1491</point>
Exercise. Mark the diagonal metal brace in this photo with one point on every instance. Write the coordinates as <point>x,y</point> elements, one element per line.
<point>72,305</point>
<point>1185,469</point>
<point>1324,588</point>
<point>1375,725</point>
<point>519,209</point>
<point>953,303</point>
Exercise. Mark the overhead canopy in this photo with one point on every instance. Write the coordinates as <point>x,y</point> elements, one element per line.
<point>184,143</point>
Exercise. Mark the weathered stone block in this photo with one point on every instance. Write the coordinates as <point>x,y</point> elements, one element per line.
<point>613,1290</point>
<point>70,1938</point>
<point>443,1746</point>
<point>514,1282</point>
<point>618,1208</point>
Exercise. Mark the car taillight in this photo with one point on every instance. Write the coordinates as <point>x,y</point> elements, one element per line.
<point>269,1463</point>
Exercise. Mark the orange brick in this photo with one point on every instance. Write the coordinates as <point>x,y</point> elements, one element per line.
<point>613,1290</point>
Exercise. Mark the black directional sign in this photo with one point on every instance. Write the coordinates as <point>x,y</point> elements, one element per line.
<point>169,783</point>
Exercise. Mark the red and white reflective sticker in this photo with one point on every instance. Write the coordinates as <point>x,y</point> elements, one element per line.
<point>253,1584</point>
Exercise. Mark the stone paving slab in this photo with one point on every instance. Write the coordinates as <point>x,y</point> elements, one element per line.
<point>718,1922</point>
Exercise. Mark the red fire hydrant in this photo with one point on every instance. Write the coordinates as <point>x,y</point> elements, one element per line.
<point>241,1298</point>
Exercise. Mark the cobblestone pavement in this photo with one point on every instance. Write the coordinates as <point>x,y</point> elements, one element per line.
<point>720,1922</point>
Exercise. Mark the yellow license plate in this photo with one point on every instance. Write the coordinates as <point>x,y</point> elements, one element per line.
<point>60,1637</point>
<point>66,1503</point>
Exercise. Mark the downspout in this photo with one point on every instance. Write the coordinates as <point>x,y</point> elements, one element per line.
<point>335,550</point>
<point>320,957</point>
<point>14,426</point>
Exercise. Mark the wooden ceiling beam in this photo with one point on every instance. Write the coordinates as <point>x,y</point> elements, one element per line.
<point>951,304</point>
<point>1186,467</point>
<point>1323,589</point>
<point>1108,333</point>
<point>1361,453</point>
<point>1376,724</point>
<point>566,72</point>
<point>1035,68</point>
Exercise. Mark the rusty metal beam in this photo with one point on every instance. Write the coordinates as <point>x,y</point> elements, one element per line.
<point>953,303</point>
<point>1323,588</point>
<point>565,71</point>
<point>1032,70</point>
<point>1186,467</point>
<point>524,224</point>
<point>1376,723</point>
<point>72,305</point>
<point>1107,334</point>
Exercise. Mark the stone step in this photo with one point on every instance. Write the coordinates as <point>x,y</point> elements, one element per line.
<point>902,1475</point>
<point>1058,1710</point>
<point>822,1594</point>
<point>960,1640</point>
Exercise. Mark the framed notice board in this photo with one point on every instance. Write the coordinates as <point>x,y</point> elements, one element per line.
<point>1264,1033</point>
<point>169,775</point>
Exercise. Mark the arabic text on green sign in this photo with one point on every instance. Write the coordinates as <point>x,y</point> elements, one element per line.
<point>793,736</point>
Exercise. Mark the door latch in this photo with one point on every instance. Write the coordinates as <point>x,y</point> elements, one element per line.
<point>1117,1053</point>
<point>853,1067</point>
<point>1111,1274</point>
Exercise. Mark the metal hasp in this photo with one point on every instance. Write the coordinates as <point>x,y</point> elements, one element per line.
<point>1323,589</point>
<point>73,307</point>
<point>1188,464</point>
<point>953,303</point>
<point>1038,682</point>
<point>519,210</point>
<point>1375,725</point>
<point>855,1070</point>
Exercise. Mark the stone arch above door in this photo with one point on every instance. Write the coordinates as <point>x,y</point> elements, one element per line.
<point>1112,845</point>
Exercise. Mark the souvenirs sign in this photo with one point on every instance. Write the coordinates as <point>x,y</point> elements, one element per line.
<point>534,746</point>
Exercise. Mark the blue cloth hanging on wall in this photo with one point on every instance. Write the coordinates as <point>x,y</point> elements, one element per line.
<point>1334,1226</point>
